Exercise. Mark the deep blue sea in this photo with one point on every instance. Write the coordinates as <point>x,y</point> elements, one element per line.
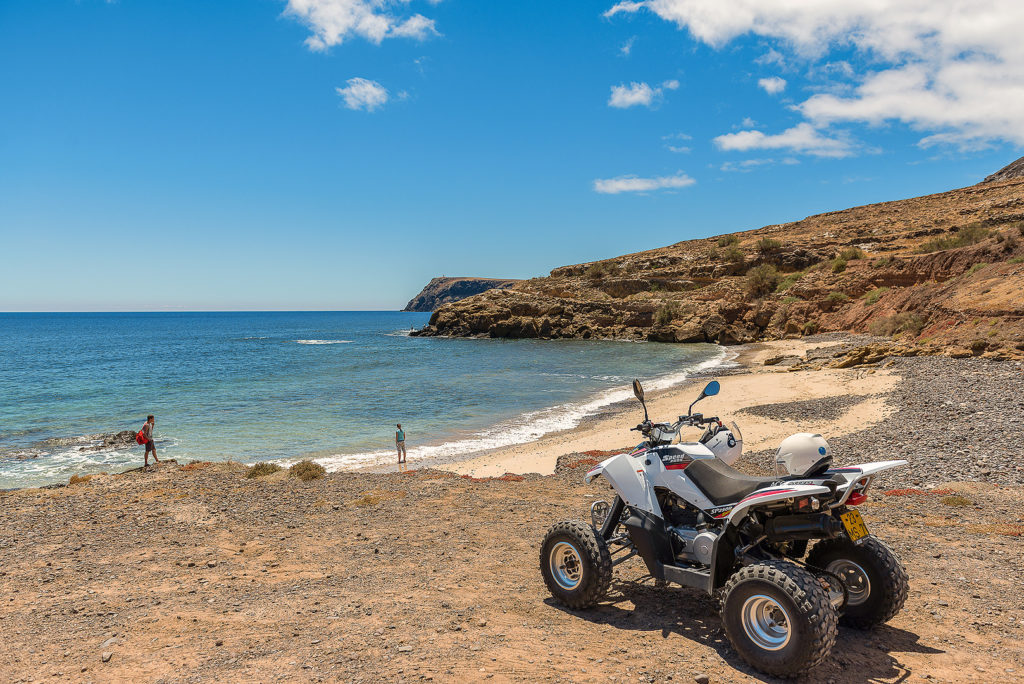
<point>285,385</point>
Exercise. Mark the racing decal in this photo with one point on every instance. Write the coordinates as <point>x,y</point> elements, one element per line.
<point>844,470</point>
<point>720,511</point>
<point>766,492</point>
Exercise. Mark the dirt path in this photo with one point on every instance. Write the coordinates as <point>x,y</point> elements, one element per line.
<point>198,574</point>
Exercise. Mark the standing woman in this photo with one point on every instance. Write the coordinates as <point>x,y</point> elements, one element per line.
<point>400,443</point>
<point>147,432</point>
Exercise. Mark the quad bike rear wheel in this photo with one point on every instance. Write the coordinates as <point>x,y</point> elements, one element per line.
<point>576,564</point>
<point>778,618</point>
<point>874,576</point>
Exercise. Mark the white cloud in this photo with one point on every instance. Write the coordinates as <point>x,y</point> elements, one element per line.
<point>334,21</point>
<point>672,143</point>
<point>627,47</point>
<point>802,138</point>
<point>624,96</point>
<point>361,93</point>
<point>773,85</point>
<point>746,164</point>
<point>613,186</point>
<point>953,69</point>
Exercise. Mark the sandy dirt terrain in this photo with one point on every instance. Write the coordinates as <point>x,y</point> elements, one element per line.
<point>187,574</point>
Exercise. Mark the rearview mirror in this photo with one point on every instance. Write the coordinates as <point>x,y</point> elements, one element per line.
<point>638,390</point>
<point>711,390</point>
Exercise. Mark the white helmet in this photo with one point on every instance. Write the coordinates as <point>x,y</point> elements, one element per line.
<point>801,454</point>
<point>727,444</point>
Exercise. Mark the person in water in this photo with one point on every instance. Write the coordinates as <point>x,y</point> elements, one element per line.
<point>147,432</point>
<point>400,443</point>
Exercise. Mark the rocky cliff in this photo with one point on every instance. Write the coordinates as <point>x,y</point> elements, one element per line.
<point>447,290</point>
<point>1009,172</point>
<point>942,270</point>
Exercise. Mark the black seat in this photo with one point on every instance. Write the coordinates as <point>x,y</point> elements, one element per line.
<point>722,484</point>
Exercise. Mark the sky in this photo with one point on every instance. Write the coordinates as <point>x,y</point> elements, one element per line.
<point>337,154</point>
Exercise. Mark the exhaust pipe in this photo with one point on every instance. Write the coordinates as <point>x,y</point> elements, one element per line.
<point>786,527</point>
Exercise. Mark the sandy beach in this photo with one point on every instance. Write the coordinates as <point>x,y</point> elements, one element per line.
<point>748,382</point>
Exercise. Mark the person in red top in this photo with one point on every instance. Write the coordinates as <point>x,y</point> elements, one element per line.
<point>147,432</point>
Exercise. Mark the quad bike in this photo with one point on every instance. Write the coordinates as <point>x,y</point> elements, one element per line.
<point>697,522</point>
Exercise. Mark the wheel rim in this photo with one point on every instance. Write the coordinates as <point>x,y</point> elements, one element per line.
<point>566,565</point>
<point>766,622</point>
<point>858,586</point>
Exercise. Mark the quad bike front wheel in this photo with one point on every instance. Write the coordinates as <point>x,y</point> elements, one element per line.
<point>778,618</point>
<point>873,574</point>
<point>576,564</point>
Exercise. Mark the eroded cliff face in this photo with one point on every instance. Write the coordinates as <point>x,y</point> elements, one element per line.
<point>441,291</point>
<point>943,270</point>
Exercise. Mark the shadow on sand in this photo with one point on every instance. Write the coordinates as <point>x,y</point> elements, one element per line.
<point>858,656</point>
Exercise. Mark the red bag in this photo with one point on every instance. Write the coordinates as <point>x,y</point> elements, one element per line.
<point>140,438</point>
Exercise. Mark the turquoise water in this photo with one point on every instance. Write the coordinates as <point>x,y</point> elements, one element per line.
<point>282,385</point>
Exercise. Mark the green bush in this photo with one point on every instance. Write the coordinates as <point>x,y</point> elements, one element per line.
<point>873,296</point>
<point>726,240</point>
<point>979,346</point>
<point>884,262</point>
<point>896,324</point>
<point>767,245</point>
<point>788,280</point>
<point>838,297</point>
<point>734,255</point>
<point>262,470</point>
<point>810,327</point>
<point>975,268</point>
<point>968,235</point>
<point>838,265</point>
<point>666,313</point>
<point>851,253</point>
<point>790,300</point>
<point>761,280</point>
<point>306,471</point>
<point>1017,260</point>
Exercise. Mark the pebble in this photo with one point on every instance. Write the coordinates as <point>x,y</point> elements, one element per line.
<point>106,656</point>
<point>702,679</point>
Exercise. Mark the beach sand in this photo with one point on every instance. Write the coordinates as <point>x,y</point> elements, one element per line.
<point>755,384</point>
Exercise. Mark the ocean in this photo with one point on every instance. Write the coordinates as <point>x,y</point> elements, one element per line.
<point>281,386</point>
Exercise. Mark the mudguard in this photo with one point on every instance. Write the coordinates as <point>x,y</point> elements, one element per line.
<point>778,492</point>
<point>626,474</point>
<point>858,472</point>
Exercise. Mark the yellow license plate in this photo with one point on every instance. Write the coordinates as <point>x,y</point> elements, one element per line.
<point>854,525</point>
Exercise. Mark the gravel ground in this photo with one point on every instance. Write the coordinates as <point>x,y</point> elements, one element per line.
<point>955,420</point>
<point>830,408</point>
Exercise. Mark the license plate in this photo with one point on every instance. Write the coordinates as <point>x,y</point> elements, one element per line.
<point>854,525</point>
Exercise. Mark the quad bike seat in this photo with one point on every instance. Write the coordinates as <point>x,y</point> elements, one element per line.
<point>722,484</point>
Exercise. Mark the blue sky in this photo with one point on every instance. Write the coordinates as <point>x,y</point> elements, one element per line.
<point>337,154</point>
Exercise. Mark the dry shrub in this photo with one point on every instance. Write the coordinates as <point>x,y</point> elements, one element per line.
<point>957,501</point>
<point>666,313</point>
<point>262,470</point>
<point>787,281</point>
<point>726,240</point>
<point>79,479</point>
<point>968,235</point>
<point>1005,529</point>
<point>196,465</point>
<point>905,492</point>
<point>837,297</point>
<point>873,296</point>
<point>761,280</point>
<point>851,253</point>
<point>896,324</point>
<point>768,245</point>
<point>307,470</point>
<point>734,255</point>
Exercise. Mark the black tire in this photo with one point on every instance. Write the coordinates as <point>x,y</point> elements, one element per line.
<point>887,584</point>
<point>576,564</point>
<point>804,636</point>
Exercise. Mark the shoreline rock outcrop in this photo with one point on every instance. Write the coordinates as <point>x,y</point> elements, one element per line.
<point>440,291</point>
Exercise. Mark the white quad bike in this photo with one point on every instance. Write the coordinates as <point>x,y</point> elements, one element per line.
<point>697,522</point>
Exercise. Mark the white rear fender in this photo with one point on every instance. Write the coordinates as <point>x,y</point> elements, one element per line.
<point>767,495</point>
<point>859,472</point>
